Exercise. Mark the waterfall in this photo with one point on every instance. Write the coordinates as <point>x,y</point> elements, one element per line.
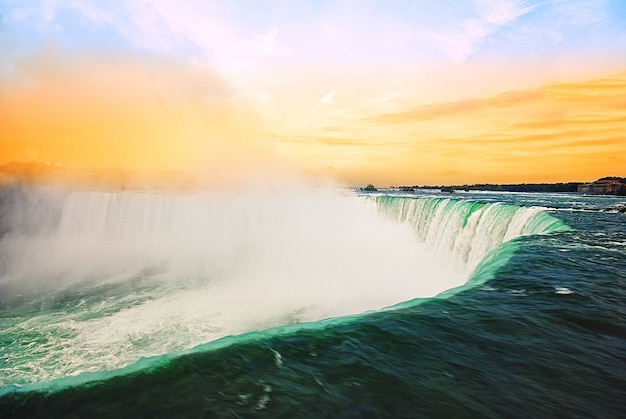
<point>466,230</point>
<point>127,275</point>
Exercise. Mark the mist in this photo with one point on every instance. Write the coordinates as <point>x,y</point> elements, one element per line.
<point>308,244</point>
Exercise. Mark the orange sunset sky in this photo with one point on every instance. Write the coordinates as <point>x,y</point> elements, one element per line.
<point>398,92</point>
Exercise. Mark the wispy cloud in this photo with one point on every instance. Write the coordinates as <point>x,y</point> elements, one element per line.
<point>501,13</point>
<point>581,12</point>
<point>366,105</point>
<point>595,101</point>
<point>325,100</point>
<point>460,107</point>
<point>464,38</point>
<point>269,40</point>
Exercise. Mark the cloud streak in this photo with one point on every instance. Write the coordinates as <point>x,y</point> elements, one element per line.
<point>325,100</point>
<point>466,37</point>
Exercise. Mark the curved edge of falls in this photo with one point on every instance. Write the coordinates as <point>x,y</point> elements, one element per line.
<point>480,236</point>
<point>467,230</point>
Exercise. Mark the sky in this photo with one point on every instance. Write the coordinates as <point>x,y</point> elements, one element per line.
<point>393,92</point>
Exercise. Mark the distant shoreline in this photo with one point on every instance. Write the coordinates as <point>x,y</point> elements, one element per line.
<point>604,186</point>
<point>512,187</point>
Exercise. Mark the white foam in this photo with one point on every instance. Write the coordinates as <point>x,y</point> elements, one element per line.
<point>563,290</point>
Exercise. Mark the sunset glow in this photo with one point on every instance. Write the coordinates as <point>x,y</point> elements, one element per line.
<point>411,92</point>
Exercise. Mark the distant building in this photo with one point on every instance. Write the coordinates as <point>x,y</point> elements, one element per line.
<point>603,187</point>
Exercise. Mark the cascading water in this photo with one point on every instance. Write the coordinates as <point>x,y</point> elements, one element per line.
<point>131,274</point>
<point>466,230</point>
